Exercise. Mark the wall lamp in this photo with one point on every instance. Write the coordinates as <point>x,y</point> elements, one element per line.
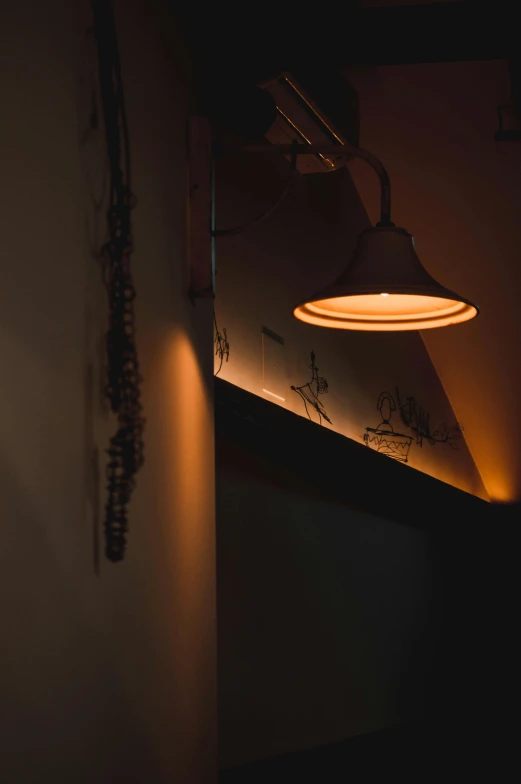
<point>384,287</point>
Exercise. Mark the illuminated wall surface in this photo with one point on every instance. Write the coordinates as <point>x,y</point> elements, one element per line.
<point>105,677</point>
<point>457,190</point>
<point>264,272</point>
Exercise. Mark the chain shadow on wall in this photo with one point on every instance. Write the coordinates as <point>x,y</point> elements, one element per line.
<point>95,172</point>
<point>123,386</point>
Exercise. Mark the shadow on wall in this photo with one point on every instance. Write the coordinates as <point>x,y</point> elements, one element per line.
<point>327,628</point>
<point>334,623</point>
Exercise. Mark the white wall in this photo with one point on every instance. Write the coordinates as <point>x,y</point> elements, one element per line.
<point>105,676</point>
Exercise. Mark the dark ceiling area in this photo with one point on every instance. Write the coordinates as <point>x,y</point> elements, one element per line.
<point>350,34</point>
<point>235,50</point>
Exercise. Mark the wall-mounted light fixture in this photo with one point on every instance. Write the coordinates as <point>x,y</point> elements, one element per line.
<point>384,286</point>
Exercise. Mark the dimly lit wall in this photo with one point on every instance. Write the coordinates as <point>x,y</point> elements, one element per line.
<point>105,676</point>
<point>335,622</point>
<point>327,616</point>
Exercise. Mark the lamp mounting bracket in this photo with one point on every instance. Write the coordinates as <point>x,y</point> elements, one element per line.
<point>202,152</point>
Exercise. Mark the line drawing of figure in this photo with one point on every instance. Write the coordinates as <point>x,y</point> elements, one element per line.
<point>383,438</point>
<point>310,395</point>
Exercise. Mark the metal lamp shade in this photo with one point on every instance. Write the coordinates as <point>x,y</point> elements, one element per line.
<point>385,288</point>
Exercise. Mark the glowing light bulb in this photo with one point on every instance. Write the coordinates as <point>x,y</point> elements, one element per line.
<point>385,264</point>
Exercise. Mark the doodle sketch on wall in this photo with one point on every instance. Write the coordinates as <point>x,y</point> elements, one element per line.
<point>383,438</point>
<point>419,421</point>
<point>309,392</point>
<point>386,440</point>
<point>221,343</point>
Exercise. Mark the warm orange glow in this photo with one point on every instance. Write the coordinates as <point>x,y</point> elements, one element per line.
<point>385,312</point>
<point>500,489</point>
<point>188,431</point>
<point>277,397</point>
<point>178,508</point>
<point>187,500</point>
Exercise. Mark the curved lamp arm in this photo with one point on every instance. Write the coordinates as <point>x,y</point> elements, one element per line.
<point>201,152</point>
<point>336,150</point>
<point>385,183</point>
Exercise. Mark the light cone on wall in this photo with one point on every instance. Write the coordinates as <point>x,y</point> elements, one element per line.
<point>385,288</point>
